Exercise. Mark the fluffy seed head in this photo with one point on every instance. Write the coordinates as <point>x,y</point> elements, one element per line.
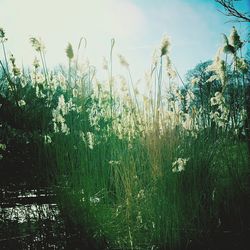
<point>2,33</point>
<point>37,44</point>
<point>123,61</point>
<point>243,65</point>
<point>234,39</point>
<point>164,45</point>
<point>69,51</point>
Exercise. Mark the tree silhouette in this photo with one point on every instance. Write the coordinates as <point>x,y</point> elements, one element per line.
<point>231,11</point>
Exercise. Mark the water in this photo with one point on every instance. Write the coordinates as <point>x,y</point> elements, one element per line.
<point>31,212</point>
<point>28,223</point>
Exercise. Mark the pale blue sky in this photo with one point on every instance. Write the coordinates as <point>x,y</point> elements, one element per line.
<point>194,26</point>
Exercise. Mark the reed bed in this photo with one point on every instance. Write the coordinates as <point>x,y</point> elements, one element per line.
<point>163,169</point>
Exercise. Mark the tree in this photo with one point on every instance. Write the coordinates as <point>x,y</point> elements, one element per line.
<point>197,79</point>
<point>231,10</point>
<point>205,85</point>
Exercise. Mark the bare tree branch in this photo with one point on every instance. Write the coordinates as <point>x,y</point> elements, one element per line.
<point>230,10</point>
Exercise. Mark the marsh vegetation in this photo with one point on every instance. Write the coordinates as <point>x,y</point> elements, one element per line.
<point>163,168</point>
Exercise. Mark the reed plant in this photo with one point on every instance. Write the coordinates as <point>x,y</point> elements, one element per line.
<point>134,171</point>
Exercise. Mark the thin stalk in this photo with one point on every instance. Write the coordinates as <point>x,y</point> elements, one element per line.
<point>44,67</point>
<point>69,73</point>
<point>155,95</point>
<point>77,54</point>
<point>45,63</point>
<point>132,84</point>
<point>111,77</point>
<point>159,96</point>
<point>5,58</point>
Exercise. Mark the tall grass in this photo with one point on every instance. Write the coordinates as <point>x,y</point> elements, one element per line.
<point>135,172</point>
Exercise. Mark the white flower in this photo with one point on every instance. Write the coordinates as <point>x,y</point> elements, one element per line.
<point>217,99</point>
<point>70,106</point>
<point>21,103</point>
<point>179,165</point>
<point>61,105</point>
<point>90,139</point>
<point>57,117</point>
<point>221,123</point>
<point>64,128</point>
<point>213,101</point>
<point>75,92</point>
<point>214,115</point>
<point>141,194</point>
<point>94,200</point>
<point>38,78</point>
<point>56,128</point>
<point>23,82</point>
<point>114,163</point>
<point>82,136</point>
<point>47,139</point>
<point>218,95</point>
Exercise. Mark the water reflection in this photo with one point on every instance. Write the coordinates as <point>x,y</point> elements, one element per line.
<point>31,212</point>
<point>27,221</point>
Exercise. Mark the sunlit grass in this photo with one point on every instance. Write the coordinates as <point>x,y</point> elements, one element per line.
<point>136,172</point>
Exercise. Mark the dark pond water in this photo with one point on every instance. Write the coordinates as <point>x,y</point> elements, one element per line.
<point>30,219</point>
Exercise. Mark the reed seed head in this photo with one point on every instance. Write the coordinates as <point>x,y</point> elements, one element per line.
<point>234,39</point>
<point>69,51</point>
<point>123,61</point>
<point>164,45</point>
<point>2,33</point>
<point>37,44</point>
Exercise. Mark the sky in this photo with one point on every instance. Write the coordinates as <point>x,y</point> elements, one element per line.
<point>195,29</point>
